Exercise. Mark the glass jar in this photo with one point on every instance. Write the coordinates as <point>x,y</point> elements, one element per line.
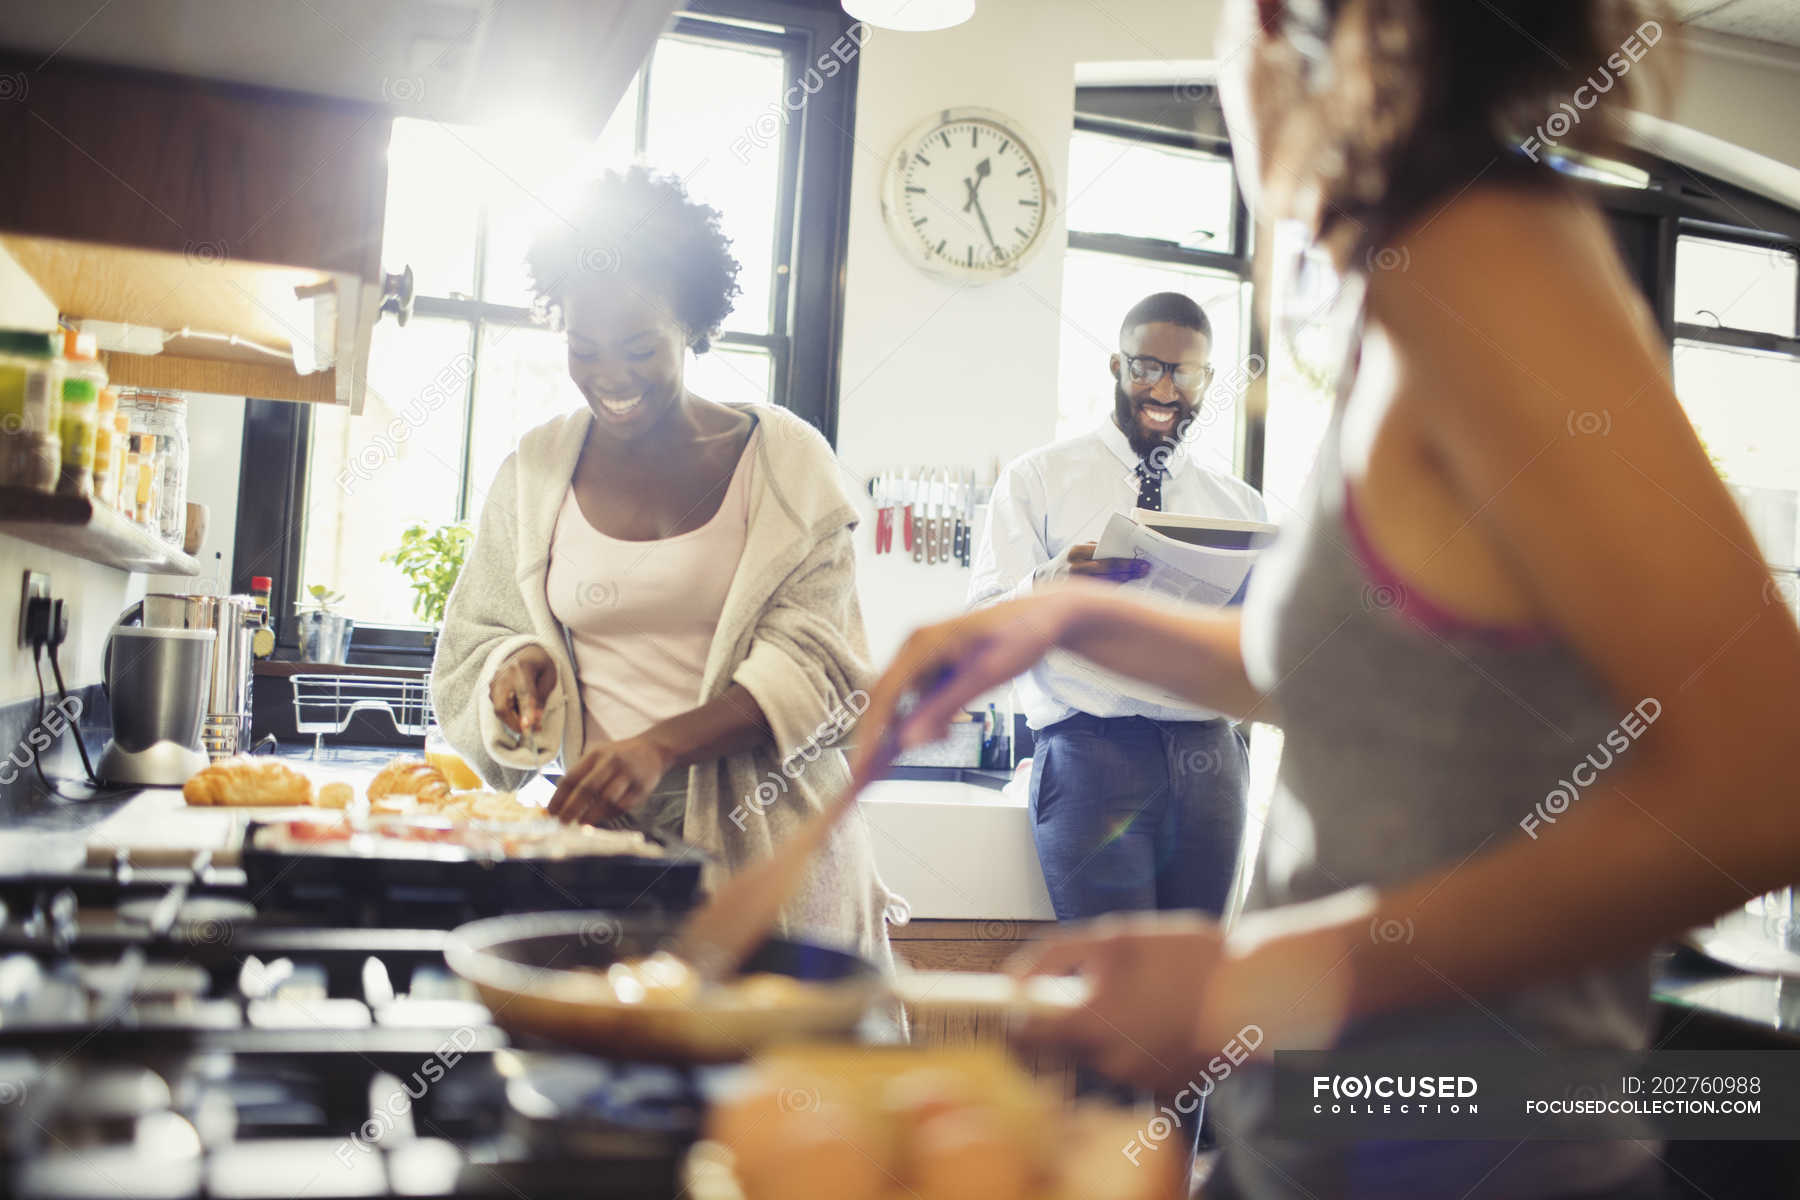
<point>168,421</point>
<point>31,380</point>
<point>83,380</point>
<point>124,491</point>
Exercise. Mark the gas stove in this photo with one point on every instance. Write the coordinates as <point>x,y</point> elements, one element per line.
<point>159,1036</point>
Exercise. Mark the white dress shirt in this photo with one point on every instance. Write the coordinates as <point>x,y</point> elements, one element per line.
<point>1063,495</point>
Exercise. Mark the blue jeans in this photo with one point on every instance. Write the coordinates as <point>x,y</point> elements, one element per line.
<point>1132,815</point>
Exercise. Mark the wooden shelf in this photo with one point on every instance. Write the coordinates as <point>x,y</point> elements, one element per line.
<point>77,526</point>
<point>170,292</point>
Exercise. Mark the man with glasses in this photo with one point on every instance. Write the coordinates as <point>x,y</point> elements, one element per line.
<point>1137,800</point>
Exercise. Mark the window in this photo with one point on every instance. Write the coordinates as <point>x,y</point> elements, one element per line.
<point>1737,371</point>
<point>450,394</point>
<point>1153,211</point>
<point>1735,286</point>
<point>1729,295</point>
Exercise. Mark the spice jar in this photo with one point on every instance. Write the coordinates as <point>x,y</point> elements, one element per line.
<point>31,378</point>
<point>149,480</point>
<point>83,378</point>
<point>106,456</point>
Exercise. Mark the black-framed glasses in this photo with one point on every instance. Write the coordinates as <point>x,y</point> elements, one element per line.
<point>1145,369</point>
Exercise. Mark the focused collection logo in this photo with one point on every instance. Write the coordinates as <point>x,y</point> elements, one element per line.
<point>1404,1095</point>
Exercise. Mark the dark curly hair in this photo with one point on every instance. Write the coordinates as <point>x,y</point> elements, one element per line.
<point>1411,100</point>
<point>639,226</point>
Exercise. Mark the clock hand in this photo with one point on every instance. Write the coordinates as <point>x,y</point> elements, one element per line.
<point>982,169</point>
<point>998,253</point>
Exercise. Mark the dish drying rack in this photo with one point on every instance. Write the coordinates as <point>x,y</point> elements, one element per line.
<point>326,703</point>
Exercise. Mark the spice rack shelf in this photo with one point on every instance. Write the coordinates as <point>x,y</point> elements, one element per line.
<point>75,525</point>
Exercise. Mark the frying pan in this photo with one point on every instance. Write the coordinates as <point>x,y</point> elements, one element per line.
<point>527,969</point>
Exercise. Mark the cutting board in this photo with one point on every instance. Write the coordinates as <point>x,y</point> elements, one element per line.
<point>157,828</point>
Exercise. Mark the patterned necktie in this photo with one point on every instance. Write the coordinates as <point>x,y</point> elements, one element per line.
<point>1149,486</point>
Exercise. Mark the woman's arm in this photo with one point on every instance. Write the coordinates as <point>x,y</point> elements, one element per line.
<point>1193,652</point>
<point>1197,653</point>
<point>617,776</point>
<point>1631,549</point>
<point>485,625</point>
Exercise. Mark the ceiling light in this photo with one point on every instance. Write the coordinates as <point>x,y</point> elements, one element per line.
<point>911,16</point>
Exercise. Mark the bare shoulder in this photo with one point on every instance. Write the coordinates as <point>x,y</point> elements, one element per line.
<point>1513,305</point>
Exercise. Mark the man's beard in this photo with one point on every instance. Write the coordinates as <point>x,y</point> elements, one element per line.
<point>1125,416</point>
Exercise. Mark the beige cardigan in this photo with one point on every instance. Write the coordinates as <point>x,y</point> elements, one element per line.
<point>791,633</point>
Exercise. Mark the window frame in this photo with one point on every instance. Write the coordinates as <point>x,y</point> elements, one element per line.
<point>805,311</point>
<point>1237,260</point>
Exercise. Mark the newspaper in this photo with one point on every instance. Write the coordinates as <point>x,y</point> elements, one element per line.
<point>1180,570</point>
<point>1194,573</point>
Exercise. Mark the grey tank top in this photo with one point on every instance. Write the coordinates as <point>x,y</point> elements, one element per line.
<point>1407,750</point>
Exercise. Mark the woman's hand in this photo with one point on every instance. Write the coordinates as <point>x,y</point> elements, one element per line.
<point>522,687</point>
<point>948,664</point>
<point>1148,973</point>
<point>610,780</point>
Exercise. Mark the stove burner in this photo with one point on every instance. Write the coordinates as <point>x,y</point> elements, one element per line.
<point>204,918</point>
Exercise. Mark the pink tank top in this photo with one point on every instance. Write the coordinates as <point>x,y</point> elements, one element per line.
<point>641,615</point>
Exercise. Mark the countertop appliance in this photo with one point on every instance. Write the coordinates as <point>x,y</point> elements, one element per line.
<point>234,621</point>
<point>156,684</point>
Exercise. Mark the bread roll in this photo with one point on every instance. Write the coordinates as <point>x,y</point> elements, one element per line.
<point>249,782</point>
<point>336,795</point>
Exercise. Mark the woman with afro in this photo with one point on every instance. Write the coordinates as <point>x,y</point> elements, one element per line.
<point>661,591</point>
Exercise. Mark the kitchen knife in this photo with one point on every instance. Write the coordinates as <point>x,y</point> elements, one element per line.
<point>962,523</point>
<point>915,501</point>
<point>928,515</point>
<point>884,512</point>
<point>945,526</point>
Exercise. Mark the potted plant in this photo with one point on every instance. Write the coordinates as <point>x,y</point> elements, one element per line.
<point>324,634</point>
<point>431,559</point>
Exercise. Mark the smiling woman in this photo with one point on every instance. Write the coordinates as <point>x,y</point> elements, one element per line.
<point>662,588</point>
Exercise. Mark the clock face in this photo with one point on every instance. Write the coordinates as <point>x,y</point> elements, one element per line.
<point>968,198</point>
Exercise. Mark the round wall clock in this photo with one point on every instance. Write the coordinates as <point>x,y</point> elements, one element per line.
<point>967,195</point>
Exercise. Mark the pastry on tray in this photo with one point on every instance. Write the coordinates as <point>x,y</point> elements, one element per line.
<point>243,781</point>
<point>409,777</point>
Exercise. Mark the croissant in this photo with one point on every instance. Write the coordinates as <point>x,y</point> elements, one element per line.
<point>245,781</point>
<point>410,777</point>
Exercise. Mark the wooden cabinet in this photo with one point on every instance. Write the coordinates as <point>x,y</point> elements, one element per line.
<point>973,946</point>
<point>161,201</point>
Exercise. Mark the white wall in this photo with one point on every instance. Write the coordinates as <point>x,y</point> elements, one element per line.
<point>1745,92</point>
<point>944,375</point>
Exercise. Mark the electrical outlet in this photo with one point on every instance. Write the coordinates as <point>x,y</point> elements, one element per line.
<point>37,586</point>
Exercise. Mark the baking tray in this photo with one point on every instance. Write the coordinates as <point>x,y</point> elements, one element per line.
<point>442,886</point>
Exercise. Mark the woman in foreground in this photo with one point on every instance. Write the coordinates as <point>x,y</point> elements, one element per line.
<point>1472,598</point>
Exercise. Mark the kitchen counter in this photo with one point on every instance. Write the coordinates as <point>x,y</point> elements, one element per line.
<point>959,848</point>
